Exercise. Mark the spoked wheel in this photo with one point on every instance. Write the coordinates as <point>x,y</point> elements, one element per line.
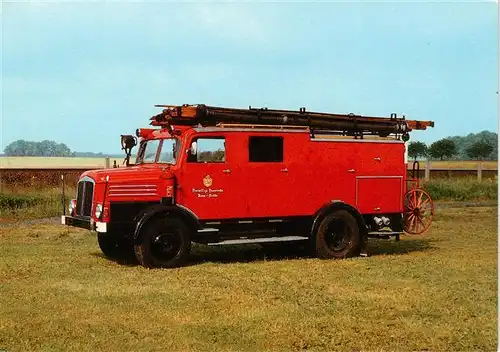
<point>419,211</point>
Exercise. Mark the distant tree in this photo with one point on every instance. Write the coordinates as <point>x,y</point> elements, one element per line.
<point>209,156</point>
<point>462,143</point>
<point>62,149</point>
<point>19,148</point>
<point>219,155</point>
<point>479,150</point>
<point>92,155</point>
<point>444,148</point>
<point>416,149</point>
<point>43,148</point>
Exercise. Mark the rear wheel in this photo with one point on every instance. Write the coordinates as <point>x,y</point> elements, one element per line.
<point>419,211</point>
<point>164,242</point>
<point>337,236</point>
<point>114,246</point>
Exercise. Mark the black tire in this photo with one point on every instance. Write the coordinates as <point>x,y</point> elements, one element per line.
<point>114,246</point>
<point>337,236</point>
<point>164,242</point>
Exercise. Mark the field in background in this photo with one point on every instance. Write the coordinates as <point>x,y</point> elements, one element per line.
<point>434,292</point>
<point>458,164</point>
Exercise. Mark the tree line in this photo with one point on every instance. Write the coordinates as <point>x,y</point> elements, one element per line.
<point>480,146</point>
<point>45,148</point>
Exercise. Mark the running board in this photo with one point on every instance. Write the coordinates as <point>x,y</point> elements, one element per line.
<point>260,240</point>
<point>384,233</point>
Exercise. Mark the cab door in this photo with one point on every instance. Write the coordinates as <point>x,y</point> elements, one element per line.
<point>209,184</point>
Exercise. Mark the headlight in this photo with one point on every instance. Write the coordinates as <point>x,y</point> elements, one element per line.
<point>98,210</point>
<point>72,206</point>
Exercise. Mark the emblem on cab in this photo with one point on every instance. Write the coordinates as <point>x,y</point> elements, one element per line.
<point>207,181</point>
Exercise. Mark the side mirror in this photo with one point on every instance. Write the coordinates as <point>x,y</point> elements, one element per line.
<point>128,142</point>
<point>194,148</point>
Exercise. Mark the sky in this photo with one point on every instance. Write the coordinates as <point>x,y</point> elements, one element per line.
<point>83,73</point>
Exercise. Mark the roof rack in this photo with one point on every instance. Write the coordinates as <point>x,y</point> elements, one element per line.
<point>317,122</point>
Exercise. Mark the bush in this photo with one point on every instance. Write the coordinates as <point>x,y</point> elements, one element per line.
<point>462,189</point>
<point>30,204</point>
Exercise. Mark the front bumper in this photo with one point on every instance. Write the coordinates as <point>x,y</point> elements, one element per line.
<point>84,223</point>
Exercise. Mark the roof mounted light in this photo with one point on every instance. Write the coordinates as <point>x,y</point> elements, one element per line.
<point>144,132</point>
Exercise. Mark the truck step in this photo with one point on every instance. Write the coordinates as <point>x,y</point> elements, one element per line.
<point>208,230</point>
<point>383,233</point>
<point>259,240</point>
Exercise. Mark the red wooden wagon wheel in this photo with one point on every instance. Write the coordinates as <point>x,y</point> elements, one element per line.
<point>419,211</point>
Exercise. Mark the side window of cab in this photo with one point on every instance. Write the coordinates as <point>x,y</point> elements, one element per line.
<point>207,150</point>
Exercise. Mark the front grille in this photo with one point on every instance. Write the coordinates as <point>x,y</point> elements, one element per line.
<point>84,198</point>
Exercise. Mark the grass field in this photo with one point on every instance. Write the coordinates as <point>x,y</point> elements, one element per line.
<point>436,292</point>
<point>32,203</point>
<point>466,189</point>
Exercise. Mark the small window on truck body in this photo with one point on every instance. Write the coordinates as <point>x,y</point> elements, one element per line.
<point>207,150</point>
<point>265,149</point>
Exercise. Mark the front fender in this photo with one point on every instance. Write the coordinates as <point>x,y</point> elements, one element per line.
<point>164,210</point>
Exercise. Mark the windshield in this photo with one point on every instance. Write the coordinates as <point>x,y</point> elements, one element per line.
<point>168,152</point>
<point>158,150</point>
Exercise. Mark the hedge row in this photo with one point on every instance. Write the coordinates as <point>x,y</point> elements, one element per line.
<point>462,189</point>
<point>16,201</point>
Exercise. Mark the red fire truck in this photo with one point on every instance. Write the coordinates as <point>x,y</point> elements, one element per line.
<point>217,175</point>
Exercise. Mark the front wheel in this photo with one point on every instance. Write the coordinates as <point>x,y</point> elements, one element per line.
<point>164,242</point>
<point>337,236</point>
<point>114,246</point>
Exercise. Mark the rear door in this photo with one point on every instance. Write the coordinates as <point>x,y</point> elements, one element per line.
<point>267,174</point>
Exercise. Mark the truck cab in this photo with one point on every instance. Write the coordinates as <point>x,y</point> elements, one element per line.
<point>223,183</point>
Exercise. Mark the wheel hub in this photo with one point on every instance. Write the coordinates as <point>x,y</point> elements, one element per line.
<point>164,242</point>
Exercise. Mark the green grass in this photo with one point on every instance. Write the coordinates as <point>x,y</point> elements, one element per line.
<point>32,203</point>
<point>434,292</point>
<point>468,189</point>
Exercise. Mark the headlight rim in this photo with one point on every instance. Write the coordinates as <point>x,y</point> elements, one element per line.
<point>72,206</point>
<point>98,210</point>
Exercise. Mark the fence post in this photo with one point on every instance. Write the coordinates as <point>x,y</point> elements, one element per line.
<point>427,170</point>
<point>480,170</point>
<point>107,162</point>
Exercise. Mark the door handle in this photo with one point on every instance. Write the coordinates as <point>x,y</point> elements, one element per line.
<point>377,158</point>
<point>227,171</point>
<point>351,170</point>
<point>284,170</point>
